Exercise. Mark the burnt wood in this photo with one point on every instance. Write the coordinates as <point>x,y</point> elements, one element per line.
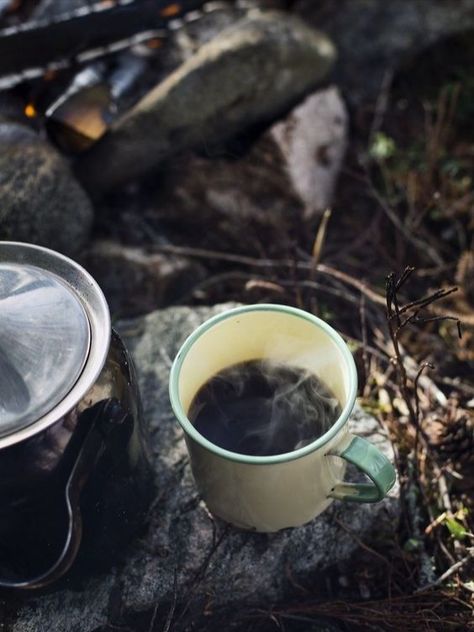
<point>42,43</point>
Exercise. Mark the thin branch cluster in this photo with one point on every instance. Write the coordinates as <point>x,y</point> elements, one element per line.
<point>398,318</point>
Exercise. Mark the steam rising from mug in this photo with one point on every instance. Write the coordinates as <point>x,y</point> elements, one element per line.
<point>262,408</point>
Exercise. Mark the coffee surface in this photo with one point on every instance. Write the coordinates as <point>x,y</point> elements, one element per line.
<point>263,408</point>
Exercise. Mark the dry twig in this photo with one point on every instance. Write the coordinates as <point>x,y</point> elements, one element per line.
<point>447,574</point>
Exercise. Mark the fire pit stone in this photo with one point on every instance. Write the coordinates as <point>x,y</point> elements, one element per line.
<point>40,200</point>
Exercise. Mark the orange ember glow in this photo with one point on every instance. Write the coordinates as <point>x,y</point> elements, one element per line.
<point>170,10</point>
<point>30,111</point>
<point>154,43</point>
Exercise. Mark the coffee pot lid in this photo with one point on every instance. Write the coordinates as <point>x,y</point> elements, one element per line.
<point>44,342</point>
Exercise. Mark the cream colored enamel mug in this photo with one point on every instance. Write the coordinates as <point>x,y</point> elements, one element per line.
<point>269,493</point>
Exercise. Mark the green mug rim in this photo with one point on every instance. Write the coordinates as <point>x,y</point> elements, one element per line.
<point>191,431</point>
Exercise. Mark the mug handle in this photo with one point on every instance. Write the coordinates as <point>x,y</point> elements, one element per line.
<point>371,462</point>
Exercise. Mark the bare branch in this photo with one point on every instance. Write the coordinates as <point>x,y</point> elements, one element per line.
<point>454,568</point>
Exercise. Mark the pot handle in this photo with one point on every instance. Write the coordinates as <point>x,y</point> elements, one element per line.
<point>88,456</point>
<point>371,462</point>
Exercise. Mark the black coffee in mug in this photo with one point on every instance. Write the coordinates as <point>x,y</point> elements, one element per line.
<point>263,408</point>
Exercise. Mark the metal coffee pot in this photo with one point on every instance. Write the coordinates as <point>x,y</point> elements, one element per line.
<point>75,475</point>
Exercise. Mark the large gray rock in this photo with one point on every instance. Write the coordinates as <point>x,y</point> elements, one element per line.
<point>217,568</point>
<point>374,37</point>
<point>40,200</point>
<point>248,74</point>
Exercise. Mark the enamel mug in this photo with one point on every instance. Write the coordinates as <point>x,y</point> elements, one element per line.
<point>268,493</point>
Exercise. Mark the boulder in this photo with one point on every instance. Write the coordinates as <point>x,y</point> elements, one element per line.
<point>40,200</point>
<point>188,565</point>
<point>249,74</point>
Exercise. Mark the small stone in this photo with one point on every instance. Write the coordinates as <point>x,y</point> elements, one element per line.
<point>40,200</point>
<point>247,75</point>
<point>216,567</point>
<point>313,141</point>
<point>135,281</point>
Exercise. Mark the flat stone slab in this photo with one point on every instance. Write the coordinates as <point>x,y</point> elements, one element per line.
<point>186,559</point>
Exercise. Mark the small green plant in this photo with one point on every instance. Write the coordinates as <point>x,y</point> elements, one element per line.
<point>382,147</point>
